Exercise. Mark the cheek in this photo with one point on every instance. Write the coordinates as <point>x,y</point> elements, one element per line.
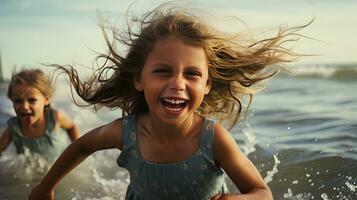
<point>16,107</point>
<point>41,106</point>
<point>203,87</point>
<point>149,94</point>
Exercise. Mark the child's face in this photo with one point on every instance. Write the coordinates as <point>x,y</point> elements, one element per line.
<point>174,80</point>
<point>29,104</point>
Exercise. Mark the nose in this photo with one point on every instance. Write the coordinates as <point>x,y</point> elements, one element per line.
<point>177,83</point>
<point>25,105</point>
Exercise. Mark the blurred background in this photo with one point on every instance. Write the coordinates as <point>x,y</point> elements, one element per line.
<point>301,132</point>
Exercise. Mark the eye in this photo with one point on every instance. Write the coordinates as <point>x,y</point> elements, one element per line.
<point>161,71</point>
<point>193,73</point>
<point>17,101</point>
<point>32,100</point>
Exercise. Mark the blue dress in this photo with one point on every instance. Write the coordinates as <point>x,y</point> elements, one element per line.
<point>197,177</point>
<point>50,145</point>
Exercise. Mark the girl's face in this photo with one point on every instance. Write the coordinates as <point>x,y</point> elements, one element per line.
<point>174,80</point>
<point>29,104</point>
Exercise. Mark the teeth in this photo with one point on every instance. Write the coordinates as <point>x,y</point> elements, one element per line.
<point>26,114</point>
<point>173,109</point>
<point>174,101</point>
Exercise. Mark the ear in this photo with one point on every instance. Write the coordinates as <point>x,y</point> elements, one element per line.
<point>47,100</point>
<point>139,86</point>
<point>208,86</point>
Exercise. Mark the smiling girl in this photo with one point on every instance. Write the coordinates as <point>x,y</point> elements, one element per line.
<point>36,126</point>
<point>177,74</point>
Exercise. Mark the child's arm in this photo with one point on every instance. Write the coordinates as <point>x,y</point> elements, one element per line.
<point>5,140</point>
<point>105,137</point>
<point>66,123</point>
<point>239,168</point>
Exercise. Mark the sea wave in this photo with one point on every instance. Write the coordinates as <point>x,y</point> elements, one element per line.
<point>338,72</point>
<point>321,175</point>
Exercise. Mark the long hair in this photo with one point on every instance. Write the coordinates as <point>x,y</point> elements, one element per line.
<point>234,68</point>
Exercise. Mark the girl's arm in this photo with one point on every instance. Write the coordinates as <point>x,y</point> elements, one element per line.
<point>105,137</point>
<point>66,123</point>
<point>5,140</point>
<point>239,168</point>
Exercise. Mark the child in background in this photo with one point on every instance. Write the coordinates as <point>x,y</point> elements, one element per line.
<point>177,74</point>
<point>36,126</point>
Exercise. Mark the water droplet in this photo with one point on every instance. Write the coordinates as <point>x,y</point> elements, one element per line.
<point>324,196</point>
<point>351,186</point>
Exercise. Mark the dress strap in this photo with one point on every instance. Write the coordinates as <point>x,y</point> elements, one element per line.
<point>129,131</point>
<point>207,138</point>
<point>50,116</point>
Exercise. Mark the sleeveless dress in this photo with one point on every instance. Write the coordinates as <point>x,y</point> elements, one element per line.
<point>197,177</point>
<point>50,145</point>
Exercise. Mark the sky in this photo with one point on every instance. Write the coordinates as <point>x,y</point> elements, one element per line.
<point>66,31</point>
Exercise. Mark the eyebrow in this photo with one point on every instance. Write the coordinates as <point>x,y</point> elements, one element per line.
<point>194,68</point>
<point>162,64</point>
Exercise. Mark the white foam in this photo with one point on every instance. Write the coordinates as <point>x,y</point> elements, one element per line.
<point>271,173</point>
<point>321,70</point>
<point>351,186</point>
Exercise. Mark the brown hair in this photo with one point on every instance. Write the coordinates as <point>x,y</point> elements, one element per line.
<point>33,78</point>
<point>234,68</point>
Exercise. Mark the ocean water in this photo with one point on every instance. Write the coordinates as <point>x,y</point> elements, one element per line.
<point>301,133</point>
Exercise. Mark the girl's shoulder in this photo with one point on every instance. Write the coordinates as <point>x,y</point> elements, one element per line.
<point>55,113</point>
<point>223,142</point>
<point>222,136</point>
<point>111,133</point>
<point>115,125</point>
<point>55,118</point>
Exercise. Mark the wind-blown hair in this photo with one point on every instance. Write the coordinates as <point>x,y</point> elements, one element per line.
<point>234,68</point>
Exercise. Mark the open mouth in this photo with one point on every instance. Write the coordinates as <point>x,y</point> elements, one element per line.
<point>174,104</point>
<point>26,116</point>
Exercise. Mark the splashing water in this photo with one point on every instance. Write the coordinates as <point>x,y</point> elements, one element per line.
<point>27,166</point>
<point>250,142</point>
<point>271,173</point>
<point>245,137</point>
<point>324,196</point>
<point>104,180</point>
<point>351,186</point>
<point>109,186</point>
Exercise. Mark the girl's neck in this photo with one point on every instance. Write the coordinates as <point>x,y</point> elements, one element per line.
<point>164,132</point>
<point>34,130</point>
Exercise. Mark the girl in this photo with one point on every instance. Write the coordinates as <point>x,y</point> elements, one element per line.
<point>36,125</point>
<point>176,73</point>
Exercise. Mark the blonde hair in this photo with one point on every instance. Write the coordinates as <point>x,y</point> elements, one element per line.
<point>233,67</point>
<point>32,78</point>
